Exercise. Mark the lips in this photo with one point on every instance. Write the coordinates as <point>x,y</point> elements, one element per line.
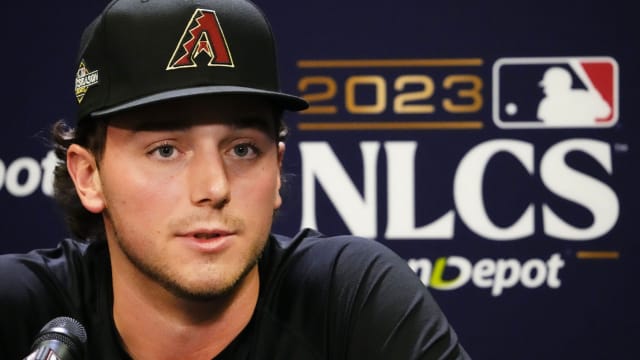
<point>206,235</point>
<point>207,240</point>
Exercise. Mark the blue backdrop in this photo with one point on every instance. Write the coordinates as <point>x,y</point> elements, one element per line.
<point>427,132</point>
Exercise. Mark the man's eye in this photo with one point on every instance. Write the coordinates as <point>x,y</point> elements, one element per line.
<point>165,151</point>
<point>243,150</point>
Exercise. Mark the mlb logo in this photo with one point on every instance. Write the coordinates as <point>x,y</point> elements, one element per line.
<point>555,92</point>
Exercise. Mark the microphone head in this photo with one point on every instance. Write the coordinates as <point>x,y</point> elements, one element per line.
<point>63,335</point>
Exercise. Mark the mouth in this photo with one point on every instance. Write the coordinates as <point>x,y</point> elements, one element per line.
<point>205,233</point>
<point>206,236</point>
<point>207,240</point>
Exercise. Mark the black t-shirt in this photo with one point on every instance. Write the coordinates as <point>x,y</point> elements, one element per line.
<point>320,298</point>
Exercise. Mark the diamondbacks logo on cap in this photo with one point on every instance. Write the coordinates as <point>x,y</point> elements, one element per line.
<point>203,35</point>
<point>84,80</point>
<point>557,92</point>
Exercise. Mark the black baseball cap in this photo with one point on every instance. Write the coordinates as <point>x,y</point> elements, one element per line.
<point>138,52</point>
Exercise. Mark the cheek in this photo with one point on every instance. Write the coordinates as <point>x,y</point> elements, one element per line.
<point>139,210</point>
<point>136,194</point>
<point>259,191</point>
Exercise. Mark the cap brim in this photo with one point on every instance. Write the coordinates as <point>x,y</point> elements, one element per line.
<point>285,101</point>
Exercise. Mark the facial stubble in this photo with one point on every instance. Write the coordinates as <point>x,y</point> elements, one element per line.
<point>155,272</point>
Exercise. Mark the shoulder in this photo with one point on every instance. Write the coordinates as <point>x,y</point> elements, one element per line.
<point>39,266</point>
<point>36,287</point>
<point>349,261</point>
<point>311,243</point>
<point>343,258</point>
<point>367,297</point>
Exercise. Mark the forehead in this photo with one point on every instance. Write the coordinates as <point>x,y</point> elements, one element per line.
<point>234,110</point>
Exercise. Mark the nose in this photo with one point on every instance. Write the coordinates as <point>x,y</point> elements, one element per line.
<point>209,182</point>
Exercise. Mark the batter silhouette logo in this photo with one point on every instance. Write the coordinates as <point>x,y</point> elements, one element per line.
<point>555,92</point>
<point>203,36</point>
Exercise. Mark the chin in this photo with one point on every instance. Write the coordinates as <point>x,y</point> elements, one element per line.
<point>209,285</point>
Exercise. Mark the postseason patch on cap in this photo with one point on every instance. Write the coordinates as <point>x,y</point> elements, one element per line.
<point>84,80</point>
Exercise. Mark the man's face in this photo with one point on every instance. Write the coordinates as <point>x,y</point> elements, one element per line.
<point>189,190</point>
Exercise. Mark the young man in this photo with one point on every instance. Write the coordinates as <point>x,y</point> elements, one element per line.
<point>172,178</point>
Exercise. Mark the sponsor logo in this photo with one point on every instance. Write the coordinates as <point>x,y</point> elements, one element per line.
<point>84,80</point>
<point>556,92</point>
<point>23,176</point>
<point>203,35</point>
<point>494,274</point>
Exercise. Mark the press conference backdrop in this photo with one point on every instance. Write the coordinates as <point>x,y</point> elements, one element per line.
<point>491,144</point>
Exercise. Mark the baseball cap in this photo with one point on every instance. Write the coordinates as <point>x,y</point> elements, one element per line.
<point>138,52</point>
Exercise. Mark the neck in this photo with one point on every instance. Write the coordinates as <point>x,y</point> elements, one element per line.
<point>155,324</point>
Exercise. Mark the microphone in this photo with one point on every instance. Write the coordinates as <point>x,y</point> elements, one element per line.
<point>62,338</point>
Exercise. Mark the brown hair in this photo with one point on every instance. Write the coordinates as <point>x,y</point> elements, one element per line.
<point>82,223</point>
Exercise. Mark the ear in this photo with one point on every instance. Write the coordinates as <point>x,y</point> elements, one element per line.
<point>83,169</point>
<point>278,200</point>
